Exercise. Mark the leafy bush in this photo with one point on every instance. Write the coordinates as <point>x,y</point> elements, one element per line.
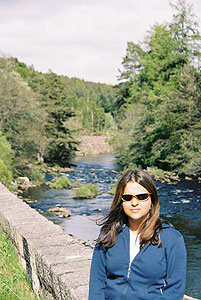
<point>5,174</point>
<point>6,157</point>
<point>87,191</point>
<point>113,187</point>
<point>60,183</point>
<point>6,153</point>
<point>37,176</point>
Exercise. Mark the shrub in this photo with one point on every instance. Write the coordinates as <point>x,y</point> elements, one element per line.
<point>6,157</point>
<point>37,176</point>
<point>113,187</point>
<point>112,191</point>
<point>6,153</point>
<point>5,174</point>
<point>60,183</point>
<point>87,191</point>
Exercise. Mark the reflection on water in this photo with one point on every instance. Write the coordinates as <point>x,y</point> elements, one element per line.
<point>180,205</point>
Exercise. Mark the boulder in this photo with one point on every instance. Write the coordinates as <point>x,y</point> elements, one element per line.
<point>60,212</point>
<point>25,180</point>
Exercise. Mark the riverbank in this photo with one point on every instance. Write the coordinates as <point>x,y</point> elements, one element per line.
<point>92,146</point>
<point>96,145</point>
<point>169,177</point>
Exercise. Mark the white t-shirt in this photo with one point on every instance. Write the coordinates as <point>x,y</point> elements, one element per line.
<point>134,245</point>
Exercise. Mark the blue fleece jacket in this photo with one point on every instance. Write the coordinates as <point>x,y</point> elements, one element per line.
<point>154,274</point>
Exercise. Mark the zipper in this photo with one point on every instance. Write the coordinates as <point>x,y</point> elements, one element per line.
<point>126,284</point>
<point>129,270</point>
<point>161,289</point>
<point>129,266</point>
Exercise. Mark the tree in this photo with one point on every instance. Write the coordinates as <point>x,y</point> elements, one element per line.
<point>131,62</point>
<point>6,161</point>
<point>6,153</point>
<point>184,28</point>
<point>163,93</point>
<point>21,116</point>
<point>61,144</point>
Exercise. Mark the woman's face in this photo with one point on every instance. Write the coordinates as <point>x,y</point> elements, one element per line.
<point>137,211</point>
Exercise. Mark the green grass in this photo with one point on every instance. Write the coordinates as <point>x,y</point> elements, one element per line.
<point>37,176</point>
<point>87,191</point>
<point>113,186</point>
<point>60,183</point>
<point>14,284</point>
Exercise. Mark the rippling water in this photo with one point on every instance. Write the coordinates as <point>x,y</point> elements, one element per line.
<point>180,204</point>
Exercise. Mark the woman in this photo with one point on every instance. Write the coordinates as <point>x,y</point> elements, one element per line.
<point>137,256</point>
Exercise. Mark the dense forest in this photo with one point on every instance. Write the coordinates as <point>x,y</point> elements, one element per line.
<point>152,114</point>
<point>158,106</point>
<point>43,115</point>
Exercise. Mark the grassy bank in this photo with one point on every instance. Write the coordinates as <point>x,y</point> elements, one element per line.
<point>13,281</point>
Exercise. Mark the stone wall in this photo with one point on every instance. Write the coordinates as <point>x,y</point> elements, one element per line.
<point>57,264</point>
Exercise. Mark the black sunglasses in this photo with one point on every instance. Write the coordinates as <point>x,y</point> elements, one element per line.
<point>139,197</point>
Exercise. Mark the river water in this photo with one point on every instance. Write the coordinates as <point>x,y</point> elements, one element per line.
<point>180,205</point>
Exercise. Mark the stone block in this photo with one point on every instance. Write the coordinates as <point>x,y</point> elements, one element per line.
<point>81,267</point>
<point>80,293</point>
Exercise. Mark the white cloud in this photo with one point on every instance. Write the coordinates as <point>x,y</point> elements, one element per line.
<point>82,38</point>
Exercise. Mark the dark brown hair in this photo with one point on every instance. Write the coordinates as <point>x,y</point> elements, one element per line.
<point>116,219</point>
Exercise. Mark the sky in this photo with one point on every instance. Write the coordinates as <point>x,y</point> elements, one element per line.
<point>79,38</point>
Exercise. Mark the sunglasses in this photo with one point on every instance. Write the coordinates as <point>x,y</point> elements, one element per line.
<point>139,197</point>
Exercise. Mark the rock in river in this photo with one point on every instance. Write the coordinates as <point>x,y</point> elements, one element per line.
<point>60,212</point>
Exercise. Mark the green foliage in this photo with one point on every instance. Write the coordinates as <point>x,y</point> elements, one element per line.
<point>6,161</point>
<point>113,186</point>
<point>73,107</point>
<point>14,283</point>
<point>60,183</point>
<point>87,191</point>
<point>160,111</point>
<point>36,175</point>
<point>163,176</point>
<point>92,104</point>
<point>43,115</point>
<point>5,174</point>
<point>6,153</point>
<point>60,146</point>
<point>21,116</point>
<point>101,94</point>
<point>184,28</point>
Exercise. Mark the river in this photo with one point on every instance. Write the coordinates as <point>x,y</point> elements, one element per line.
<point>180,204</point>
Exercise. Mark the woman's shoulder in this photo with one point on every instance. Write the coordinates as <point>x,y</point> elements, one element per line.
<point>169,234</point>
